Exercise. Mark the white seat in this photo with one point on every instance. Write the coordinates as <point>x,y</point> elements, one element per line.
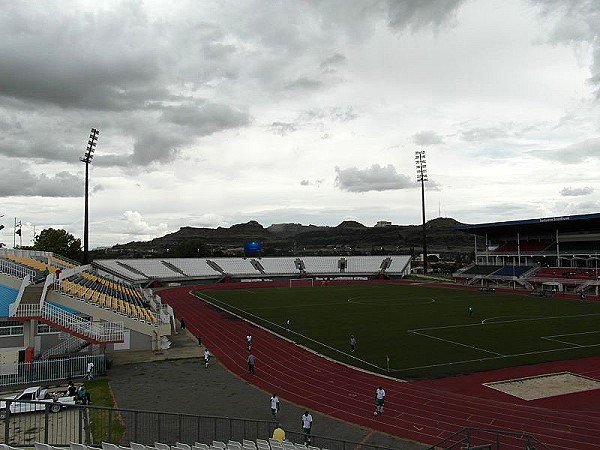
<point>42,446</point>
<point>262,442</point>
<point>247,441</point>
<point>249,446</point>
<point>109,446</point>
<point>133,445</point>
<point>234,446</point>
<point>183,446</point>
<point>219,444</point>
<point>310,447</point>
<point>76,446</point>
<point>160,446</point>
<point>200,446</point>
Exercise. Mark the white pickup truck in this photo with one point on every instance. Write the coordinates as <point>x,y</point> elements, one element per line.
<point>58,400</point>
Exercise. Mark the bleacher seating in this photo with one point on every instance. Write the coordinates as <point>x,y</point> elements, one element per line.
<point>363,264</point>
<point>324,264</point>
<point>279,266</point>
<point>511,271</point>
<point>153,268</point>
<point>398,264</point>
<point>579,273</point>
<point>109,294</point>
<point>260,444</point>
<point>236,266</point>
<point>525,246</point>
<point>193,267</point>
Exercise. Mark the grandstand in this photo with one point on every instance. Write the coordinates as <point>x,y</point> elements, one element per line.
<point>149,272</point>
<point>554,254</point>
<point>86,310</point>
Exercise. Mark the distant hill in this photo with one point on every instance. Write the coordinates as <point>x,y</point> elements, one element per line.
<point>286,239</point>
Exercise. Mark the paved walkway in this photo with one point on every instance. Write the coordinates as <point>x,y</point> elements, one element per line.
<point>176,380</point>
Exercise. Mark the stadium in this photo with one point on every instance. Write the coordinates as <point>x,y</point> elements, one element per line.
<point>452,354</point>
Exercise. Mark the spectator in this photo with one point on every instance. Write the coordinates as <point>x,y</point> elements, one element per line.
<point>278,433</point>
<point>182,324</point>
<point>71,389</point>
<point>287,325</point>
<point>249,342</point>
<point>46,272</point>
<point>470,311</point>
<point>84,395</point>
<point>306,426</point>
<point>251,363</point>
<point>89,373</point>
<point>274,405</point>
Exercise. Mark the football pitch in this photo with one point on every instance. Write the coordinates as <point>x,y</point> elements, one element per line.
<point>414,331</point>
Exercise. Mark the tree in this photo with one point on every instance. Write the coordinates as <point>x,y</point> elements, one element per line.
<point>59,242</point>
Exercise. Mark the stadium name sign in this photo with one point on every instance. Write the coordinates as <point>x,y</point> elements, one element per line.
<point>555,219</point>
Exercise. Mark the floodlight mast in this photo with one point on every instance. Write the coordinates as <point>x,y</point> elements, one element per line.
<point>422,178</point>
<point>87,159</point>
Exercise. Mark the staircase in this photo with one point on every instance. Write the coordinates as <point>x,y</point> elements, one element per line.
<point>32,307</point>
<point>68,345</point>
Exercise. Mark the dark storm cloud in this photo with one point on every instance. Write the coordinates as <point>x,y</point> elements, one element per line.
<point>576,192</point>
<point>374,178</point>
<point>206,119</point>
<point>425,138</point>
<point>15,180</point>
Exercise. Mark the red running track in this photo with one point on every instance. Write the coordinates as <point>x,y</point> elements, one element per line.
<point>423,411</point>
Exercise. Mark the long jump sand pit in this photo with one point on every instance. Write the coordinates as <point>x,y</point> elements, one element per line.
<point>547,385</point>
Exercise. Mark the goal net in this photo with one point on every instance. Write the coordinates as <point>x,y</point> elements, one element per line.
<point>302,282</point>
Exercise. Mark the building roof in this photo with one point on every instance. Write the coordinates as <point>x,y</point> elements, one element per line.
<point>578,223</point>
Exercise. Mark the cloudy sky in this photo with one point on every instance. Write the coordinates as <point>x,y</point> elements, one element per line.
<point>213,113</point>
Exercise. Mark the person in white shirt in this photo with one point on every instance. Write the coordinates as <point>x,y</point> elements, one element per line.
<point>274,405</point>
<point>306,426</point>
<point>90,371</point>
<point>379,400</point>
<point>249,342</point>
<point>206,357</point>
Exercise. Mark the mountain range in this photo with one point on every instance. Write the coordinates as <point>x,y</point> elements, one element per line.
<point>286,239</point>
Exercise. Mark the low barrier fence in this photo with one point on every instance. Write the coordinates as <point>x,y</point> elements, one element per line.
<point>92,425</point>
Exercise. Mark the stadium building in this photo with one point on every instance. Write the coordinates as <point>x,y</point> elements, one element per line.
<point>52,308</point>
<point>546,255</point>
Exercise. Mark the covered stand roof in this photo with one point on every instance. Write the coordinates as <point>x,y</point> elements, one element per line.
<point>564,224</point>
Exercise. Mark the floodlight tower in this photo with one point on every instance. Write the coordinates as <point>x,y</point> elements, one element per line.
<point>87,159</point>
<point>422,178</point>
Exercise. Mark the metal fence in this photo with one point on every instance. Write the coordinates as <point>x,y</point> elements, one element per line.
<point>92,425</point>
<point>38,371</point>
<point>488,439</point>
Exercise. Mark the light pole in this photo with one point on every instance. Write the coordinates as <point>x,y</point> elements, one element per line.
<point>422,178</point>
<point>87,159</point>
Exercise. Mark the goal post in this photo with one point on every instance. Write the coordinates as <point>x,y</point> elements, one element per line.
<point>302,282</point>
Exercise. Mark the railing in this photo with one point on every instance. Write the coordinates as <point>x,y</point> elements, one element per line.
<point>99,331</point>
<point>486,438</point>
<point>71,344</point>
<point>55,369</point>
<point>92,425</point>
<point>15,270</point>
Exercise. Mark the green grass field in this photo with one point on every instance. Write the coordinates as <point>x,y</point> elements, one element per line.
<point>425,331</point>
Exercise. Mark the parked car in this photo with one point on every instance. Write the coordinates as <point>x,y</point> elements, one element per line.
<point>35,399</point>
